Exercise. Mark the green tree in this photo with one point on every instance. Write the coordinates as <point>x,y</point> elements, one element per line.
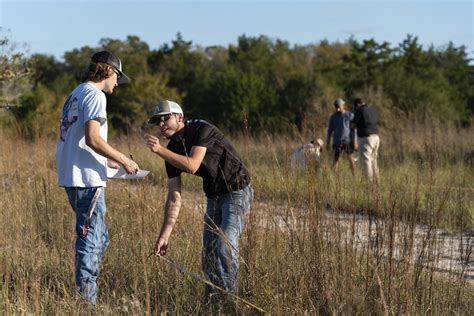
<point>46,69</point>
<point>459,72</point>
<point>364,66</point>
<point>14,72</point>
<point>417,84</point>
<point>259,83</point>
<point>15,81</point>
<point>243,100</point>
<point>189,70</point>
<point>77,61</point>
<point>130,108</point>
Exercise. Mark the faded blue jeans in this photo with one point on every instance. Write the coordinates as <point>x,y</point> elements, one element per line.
<point>92,237</point>
<point>223,224</point>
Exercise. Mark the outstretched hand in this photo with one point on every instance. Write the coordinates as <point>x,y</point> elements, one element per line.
<point>161,246</point>
<point>153,143</point>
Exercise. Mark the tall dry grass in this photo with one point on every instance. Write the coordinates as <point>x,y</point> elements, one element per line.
<point>298,256</point>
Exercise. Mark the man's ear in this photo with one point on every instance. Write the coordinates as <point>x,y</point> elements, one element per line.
<point>110,71</point>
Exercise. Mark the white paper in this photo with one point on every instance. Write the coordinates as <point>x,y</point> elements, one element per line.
<point>122,174</point>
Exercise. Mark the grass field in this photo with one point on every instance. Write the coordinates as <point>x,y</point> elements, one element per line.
<point>302,263</point>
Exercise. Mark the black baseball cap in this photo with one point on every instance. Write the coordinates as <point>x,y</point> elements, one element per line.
<point>111,60</point>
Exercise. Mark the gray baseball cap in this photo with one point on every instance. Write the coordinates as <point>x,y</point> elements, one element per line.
<point>163,108</point>
<point>339,102</point>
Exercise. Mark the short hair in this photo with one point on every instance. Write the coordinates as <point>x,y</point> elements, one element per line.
<point>97,72</point>
<point>358,102</point>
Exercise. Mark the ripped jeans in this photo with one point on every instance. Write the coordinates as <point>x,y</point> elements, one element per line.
<point>223,225</point>
<point>92,237</point>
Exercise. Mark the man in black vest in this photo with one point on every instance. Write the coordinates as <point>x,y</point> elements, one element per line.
<point>199,148</point>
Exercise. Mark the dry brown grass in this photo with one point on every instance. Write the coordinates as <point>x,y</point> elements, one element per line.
<point>295,257</point>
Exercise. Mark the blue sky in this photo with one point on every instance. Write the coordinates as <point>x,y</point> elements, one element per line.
<point>54,27</point>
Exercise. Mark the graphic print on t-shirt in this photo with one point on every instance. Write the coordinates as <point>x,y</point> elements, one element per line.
<point>69,116</point>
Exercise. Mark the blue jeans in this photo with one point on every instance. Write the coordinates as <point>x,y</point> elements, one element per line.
<point>223,224</point>
<point>92,237</point>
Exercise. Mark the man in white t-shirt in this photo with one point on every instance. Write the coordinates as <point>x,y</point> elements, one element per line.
<point>82,156</point>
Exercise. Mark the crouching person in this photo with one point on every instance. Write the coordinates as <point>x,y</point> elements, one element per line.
<point>199,148</point>
<point>307,155</point>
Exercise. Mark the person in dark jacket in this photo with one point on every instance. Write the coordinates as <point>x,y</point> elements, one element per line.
<point>343,135</point>
<point>366,120</point>
<point>198,147</point>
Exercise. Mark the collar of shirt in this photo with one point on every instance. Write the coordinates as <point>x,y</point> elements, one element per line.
<point>179,135</point>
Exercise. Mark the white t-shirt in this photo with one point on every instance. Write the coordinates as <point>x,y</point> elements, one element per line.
<point>303,155</point>
<point>79,165</point>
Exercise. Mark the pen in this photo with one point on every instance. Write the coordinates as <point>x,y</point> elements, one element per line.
<point>131,157</point>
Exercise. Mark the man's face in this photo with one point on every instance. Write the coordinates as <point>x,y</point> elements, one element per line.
<point>169,124</point>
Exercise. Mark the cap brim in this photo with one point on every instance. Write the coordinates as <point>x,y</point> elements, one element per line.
<point>123,78</point>
<point>153,120</point>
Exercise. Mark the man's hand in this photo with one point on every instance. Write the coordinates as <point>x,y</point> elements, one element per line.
<point>153,143</point>
<point>161,246</point>
<point>130,166</point>
<point>100,146</point>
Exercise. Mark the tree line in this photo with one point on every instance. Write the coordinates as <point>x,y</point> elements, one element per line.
<point>258,84</point>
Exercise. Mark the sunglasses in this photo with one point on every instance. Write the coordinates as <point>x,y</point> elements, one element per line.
<point>117,73</point>
<point>163,118</point>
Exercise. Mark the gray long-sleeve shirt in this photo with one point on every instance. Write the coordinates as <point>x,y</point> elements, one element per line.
<point>339,127</point>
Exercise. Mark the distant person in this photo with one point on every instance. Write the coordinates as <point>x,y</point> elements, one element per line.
<point>307,155</point>
<point>82,156</point>
<point>199,148</point>
<point>366,120</point>
<point>343,136</point>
